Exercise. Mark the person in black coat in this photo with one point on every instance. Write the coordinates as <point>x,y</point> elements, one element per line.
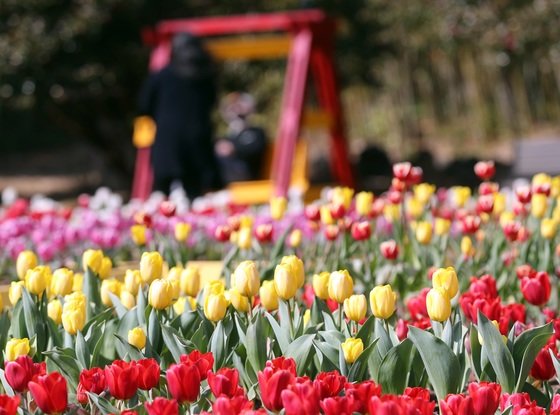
<point>180,99</point>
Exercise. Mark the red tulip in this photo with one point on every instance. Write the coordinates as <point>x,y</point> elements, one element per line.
<point>20,371</point>
<point>417,399</point>
<point>485,204</point>
<point>92,380</point>
<point>224,382</point>
<point>184,381</point>
<point>129,412</point>
<point>536,290</point>
<point>277,375</point>
<point>122,379</point>
<point>386,405</point>
<point>485,396</point>
<point>511,230</point>
<point>484,286</point>
<point>338,405</point>
<point>329,384</point>
<point>360,394</point>
<point>488,188</point>
<point>389,249</point>
<point>143,218</point>
<point>402,170</point>
<point>222,233</point>
<point>332,232</point>
<point>148,374</point>
<point>555,405</point>
<point>167,208</point>
<point>263,232</point>
<point>514,399</point>
<point>471,304</point>
<point>523,194</point>
<point>470,224</point>
<point>203,361</point>
<point>361,230</point>
<point>485,170</point>
<point>300,398</point>
<point>417,304</point>
<point>395,197</point>
<point>9,404</point>
<point>312,213</point>
<point>525,270</point>
<point>162,406</point>
<point>232,406</point>
<point>401,329</point>
<point>50,393</point>
<point>542,188</point>
<point>457,405</point>
<point>543,368</point>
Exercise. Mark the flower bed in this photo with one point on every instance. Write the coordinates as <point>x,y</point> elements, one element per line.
<point>419,301</point>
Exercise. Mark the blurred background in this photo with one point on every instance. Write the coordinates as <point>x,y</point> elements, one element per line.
<point>442,83</point>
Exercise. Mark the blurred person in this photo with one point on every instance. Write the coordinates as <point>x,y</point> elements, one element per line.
<point>241,152</point>
<point>180,99</point>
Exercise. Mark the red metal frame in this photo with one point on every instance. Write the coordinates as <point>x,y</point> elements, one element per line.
<point>311,54</point>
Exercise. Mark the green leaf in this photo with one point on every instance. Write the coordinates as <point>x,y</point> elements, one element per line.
<point>141,307</point>
<point>498,354</point>
<point>96,356</point>
<point>127,323</point>
<point>31,312</point>
<point>397,361</point>
<point>218,345</point>
<point>365,331</point>
<point>525,350</point>
<point>256,346</point>
<point>280,335</point>
<point>82,351</point>
<point>66,363</point>
<point>328,350</point>
<point>154,334</point>
<point>279,246</point>
<point>102,404</point>
<point>130,351</point>
<point>7,388</point>
<point>119,307</point>
<point>170,337</point>
<point>91,291</point>
<point>476,352</point>
<point>441,363</point>
<point>556,364</point>
<point>300,351</point>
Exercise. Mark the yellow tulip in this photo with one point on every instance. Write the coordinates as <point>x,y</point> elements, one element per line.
<point>352,349</point>
<point>138,234</point>
<point>438,304</point>
<point>127,299</point>
<point>239,301</point>
<point>364,203</point>
<point>14,292</point>
<point>182,231</point>
<point>467,248</point>
<point>278,207</point>
<point>539,205</point>
<point>549,228</point>
<point>424,232</point>
<point>460,195</point>
<point>245,279</point>
<point>391,212</point>
<point>77,299</point>
<point>306,317</point>
<point>340,286</point>
<point>540,179</point>
<point>382,300</point>
<point>555,186</point>
<point>214,287</point>
<point>414,207</point>
<point>54,311</point>
<point>355,307</point>
<point>105,268</point>
<point>326,216</point>
<point>294,240</point>
<point>499,203</point>
<point>446,278</point>
<point>190,281</point>
<point>506,217</point>
<point>92,259</point>
<point>215,307</point>
<point>246,221</point>
<point>174,273</point>
<point>285,281</point>
<point>320,284</point>
<point>423,192</point>
<point>268,296</point>
<point>442,226</point>
<point>244,238</point>
<point>296,265</point>
<point>137,338</point>
<point>132,281</point>
<point>17,347</point>
<point>62,281</point>
<point>151,266</point>
<point>25,260</point>
<point>112,286</point>
<point>179,305</point>
<point>160,295</point>
<point>78,282</point>
<point>37,279</point>
<point>73,317</point>
<point>342,196</point>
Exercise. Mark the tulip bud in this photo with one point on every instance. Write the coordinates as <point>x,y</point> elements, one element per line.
<point>151,266</point>
<point>132,281</point>
<point>342,196</point>
<point>179,305</point>
<point>539,205</point>
<point>391,212</point>
<point>17,347</point>
<point>263,232</point>
<point>442,226</point>
<point>306,317</point>
<point>62,281</point>
<point>268,296</point>
<point>137,338</point>
<point>182,231</point>
<point>423,192</point>
<point>414,208</point>
<point>467,248</point>
<point>460,195</point>
<point>246,279</point>
<point>382,301</point>
<point>244,238</point>
<point>77,282</point>
<point>424,232</point>
<point>285,281</point>
<point>214,287</point>
<point>355,307</point>
<point>239,301</point>
<point>37,279</point>
<point>92,259</point>
<point>549,228</point>
<point>278,207</point>
<point>438,304</point>
<point>326,216</point>
<point>160,295</point>
<point>105,268</point>
<point>332,232</point>
<point>352,349</point>
<point>190,281</point>
<point>112,286</point>
<point>321,285</point>
<point>364,203</point>
<point>389,249</point>
<point>499,203</point>
<point>138,234</point>
<point>14,292</point>
<point>294,240</point>
<point>25,261</point>
<point>446,278</point>
<point>246,221</point>
<point>340,286</point>
<point>215,307</point>
<point>54,311</point>
<point>485,170</point>
<point>127,299</point>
